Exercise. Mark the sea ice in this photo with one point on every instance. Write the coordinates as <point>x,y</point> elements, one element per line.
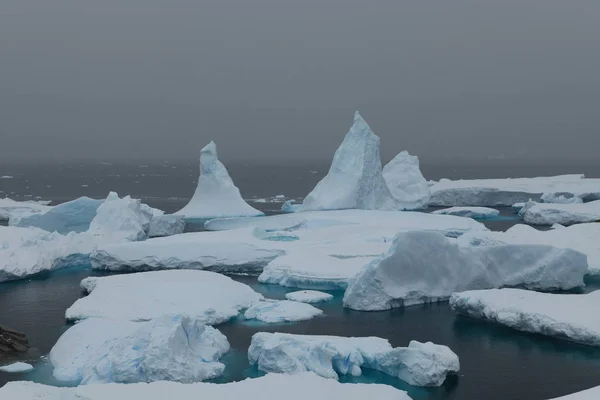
<point>565,316</point>
<point>271,387</point>
<point>560,198</point>
<point>16,367</point>
<point>564,214</point>
<point>590,394</point>
<point>11,208</point>
<point>470,212</point>
<point>506,192</point>
<point>422,267</point>
<point>419,364</point>
<point>406,182</point>
<point>309,296</point>
<point>278,311</point>
<point>290,207</point>
<point>355,179</point>
<point>216,196</point>
<point>169,348</point>
<point>212,297</point>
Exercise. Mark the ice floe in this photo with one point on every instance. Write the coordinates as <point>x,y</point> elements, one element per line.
<point>309,296</point>
<point>564,214</point>
<point>16,367</point>
<point>469,212</point>
<point>11,208</point>
<point>279,311</point>
<point>406,182</point>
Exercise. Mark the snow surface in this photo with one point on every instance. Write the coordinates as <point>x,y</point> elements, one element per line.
<point>355,179</point>
<point>506,192</point>
<point>211,297</point>
<point>271,387</point>
<point>564,214</point>
<point>216,195</point>
<point>309,296</point>
<point>10,208</point>
<point>560,198</point>
<point>72,216</point>
<point>422,267</point>
<point>470,212</point>
<point>565,316</point>
<point>406,182</point>
<point>419,364</point>
<point>16,367</point>
<point>278,311</point>
<point>171,348</point>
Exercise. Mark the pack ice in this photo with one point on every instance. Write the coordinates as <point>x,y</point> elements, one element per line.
<point>269,387</point>
<point>419,364</point>
<point>422,267</point>
<point>213,298</point>
<point>506,192</point>
<point>216,196</point>
<point>565,316</point>
<point>469,212</point>
<point>564,214</point>
<point>355,179</point>
<point>280,311</point>
<point>170,348</point>
<point>406,182</point>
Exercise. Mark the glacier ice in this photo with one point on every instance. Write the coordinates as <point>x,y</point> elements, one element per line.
<point>271,387</point>
<point>469,212</point>
<point>419,364</point>
<point>355,179</point>
<point>564,214</point>
<point>278,311</point>
<point>16,367</point>
<point>12,209</point>
<point>406,182</point>
<point>422,267</point>
<point>168,348</point>
<point>123,217</point>
<point>309,296</point>
<point>565,316</point>
<point>216,195</point>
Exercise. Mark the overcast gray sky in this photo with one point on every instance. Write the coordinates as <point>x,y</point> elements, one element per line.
<point>282,78</point>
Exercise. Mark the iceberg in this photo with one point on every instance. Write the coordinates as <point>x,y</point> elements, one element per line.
<point>309,296</point>
<point>422,267</point>
<point>279,311</point>
<point>355,179</point>
<point>506,192</point>
<point>208,296</point>
<point>216,196</point>
<point>166,225</point>
<point>560,198</point>
<point>470,212</point>
<point>564,316</point>
<point>123,217</point>
<point>419,364</point>
<point>270,387</point>
<point>11,209</point>
<point>406,182</point>
<point>564,214</point>
<point>16,367</point>
<point>168,348</point>
<point>290,207</point>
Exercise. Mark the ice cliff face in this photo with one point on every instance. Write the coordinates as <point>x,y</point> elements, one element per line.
<point>406,182</point>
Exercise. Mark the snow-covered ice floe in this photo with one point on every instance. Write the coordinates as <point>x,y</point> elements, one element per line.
<point>469,212</point>
<point>11,209</point>
<point>212,297</point>
<point>564,214</point>
<point>16,367</point>
<point>517,207</point>
<point>216,195</point>
<point>581,237</point>
<point>279,311</point>
<point>309,296</point>
<point>171,348</point>
<point>565,316</point>
<point>422,267</point>
<point>419,364</point>
<point>406,182</point>
<point>506,192</point>
<point>590,394</point>
<point>270,387</point>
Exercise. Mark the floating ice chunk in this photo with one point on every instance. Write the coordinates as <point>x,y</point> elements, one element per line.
<point>171,348</point>
<point>518,206</point>
<point>423,267</point>
<point>123,217</point>
<point>506,192</point>
<point>166,225</point>
<point>469,212</point>
<point>355,178</point>
<point>16,367</point>
<point>6,177</point>
<point>406,182</point>
<point>565,316</point>
<point>561,198</point>
<point>419,364</point>
<point>309,296</point>
<point>11,208</point>
<point>296,387</point>
<point>212,297</point>
<point>290,207</point>
<point>564,214</point>
<point>216,196</point>
<point>278,311</point>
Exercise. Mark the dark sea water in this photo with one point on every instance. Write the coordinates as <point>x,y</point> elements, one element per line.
<point>497,363</point>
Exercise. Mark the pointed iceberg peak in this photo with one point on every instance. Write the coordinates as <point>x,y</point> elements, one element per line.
<point>406,182</point>
<point>355,178</point>
<point>216,195</point>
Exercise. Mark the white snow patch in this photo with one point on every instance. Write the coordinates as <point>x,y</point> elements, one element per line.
<point>309,296</point>
<point>469,212</point>
<point>278,311</point>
